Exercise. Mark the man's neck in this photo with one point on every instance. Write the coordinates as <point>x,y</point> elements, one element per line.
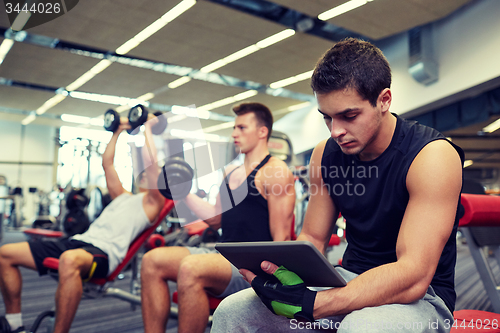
<point>255,156</point>
<point>383,140</point>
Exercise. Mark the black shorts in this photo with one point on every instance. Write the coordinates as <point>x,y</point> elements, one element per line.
<point>41,249</point>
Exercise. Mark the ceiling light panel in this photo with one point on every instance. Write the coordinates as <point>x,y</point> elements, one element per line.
<point>122,80</point>
<point>154,27</point>
<point>93,23</point>
<point>208,40</point>
<point>294,55</point>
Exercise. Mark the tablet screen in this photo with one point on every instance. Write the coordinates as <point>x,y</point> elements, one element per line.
<point>300,257</point>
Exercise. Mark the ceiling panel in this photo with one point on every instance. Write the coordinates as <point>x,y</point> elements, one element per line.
<point>22,99</point>
<point>196,93</point>
<point>104,24</point>
<point>127,81</point>
<point>381,18</point>
<point>204,34</point>
<point>295,55</point>
<point>50,67</point>
<point>80,107</point>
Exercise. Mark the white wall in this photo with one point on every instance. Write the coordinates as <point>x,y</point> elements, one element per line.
<point>467,48</point>
<point>37,145</point>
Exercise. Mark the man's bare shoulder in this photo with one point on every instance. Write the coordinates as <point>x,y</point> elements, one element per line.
<point>276,171</point>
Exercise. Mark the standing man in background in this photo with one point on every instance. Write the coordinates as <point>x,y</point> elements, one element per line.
<point>255,203</point>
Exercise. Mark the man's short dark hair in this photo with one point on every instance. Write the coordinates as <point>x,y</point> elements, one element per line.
<point>353,63</point>
<point>262,114</point>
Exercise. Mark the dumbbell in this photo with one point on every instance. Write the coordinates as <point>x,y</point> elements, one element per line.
<point>111,120</point>
<point>77,199</point>
<point>138,115</point>
<point>176,179</point>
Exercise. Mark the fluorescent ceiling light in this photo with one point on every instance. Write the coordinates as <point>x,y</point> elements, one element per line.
<point>468,163</point>
<point>213,66</point>
<point>246,94</point>
<point>89,75</point>
<point>190,112</point>
<point>219,127</point>
<point>492,127</point>
<point>28,119</point>
<point>248,50</point>
<point>146,97</point>
<point>282,83</point>
<point>122,108</point>
<point>179,82</point>
<point>21,20</point>
<point>71,118</point>
<point>291,108</point>
<point>241,53</point>
<point>86,77</point>
<point>109,99</point>
<point>291,80</point>
<point>50,103</point>
<point>100,66</point>
<point>298,106</point>
<point>155,26</point>
<point>5,48</point>
<point>341,9</point>
<point>275,38</point>
<point>96,122</point>
<point>200,135</point>
<point>228,100</point>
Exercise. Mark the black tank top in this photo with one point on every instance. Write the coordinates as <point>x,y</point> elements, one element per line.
<point>245,215</point>
<point>372,197</point>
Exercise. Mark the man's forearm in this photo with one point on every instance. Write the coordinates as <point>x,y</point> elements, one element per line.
<point>203,209</point>
<point>109,153</point>
<point>394,283</point>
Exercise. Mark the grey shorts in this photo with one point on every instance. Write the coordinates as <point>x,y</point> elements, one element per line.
<point>237,282</point>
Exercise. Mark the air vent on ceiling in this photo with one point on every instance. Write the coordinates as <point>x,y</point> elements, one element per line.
<point>423,66</point>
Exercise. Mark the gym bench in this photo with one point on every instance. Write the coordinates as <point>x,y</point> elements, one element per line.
<point>99,287</point>
<point>481,210</point>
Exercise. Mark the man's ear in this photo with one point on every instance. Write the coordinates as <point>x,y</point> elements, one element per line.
<point>385,99</point>
<point>263,131</point>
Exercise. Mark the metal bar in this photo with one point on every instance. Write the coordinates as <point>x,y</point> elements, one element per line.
<point>123,295</point>
<point>27,163</point>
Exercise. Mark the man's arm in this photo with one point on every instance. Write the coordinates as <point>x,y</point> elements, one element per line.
<point>115,187</point>
<point>433,183</point>
<point>280,194</point>
<point>204,210</point>
<point>154,201</point>
<point>209,213</point>
<point>321,213</point>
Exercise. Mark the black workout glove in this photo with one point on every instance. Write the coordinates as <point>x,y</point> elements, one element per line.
<point>290,297</point>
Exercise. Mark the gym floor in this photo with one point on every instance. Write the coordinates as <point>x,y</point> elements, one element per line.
<point>110,315</point>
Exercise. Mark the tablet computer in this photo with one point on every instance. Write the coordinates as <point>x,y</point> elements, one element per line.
<point>300,257</point>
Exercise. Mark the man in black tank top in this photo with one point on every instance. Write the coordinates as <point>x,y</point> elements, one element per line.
<point>255,203</point>
<point>398,184</point>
